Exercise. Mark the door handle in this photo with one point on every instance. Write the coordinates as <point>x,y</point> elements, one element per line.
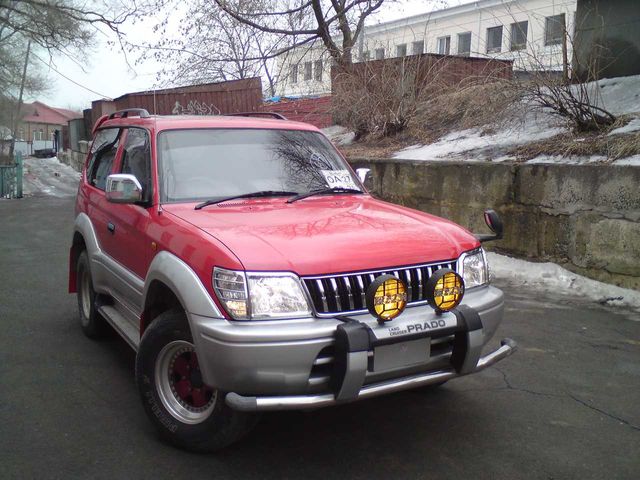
<point>111,227</point>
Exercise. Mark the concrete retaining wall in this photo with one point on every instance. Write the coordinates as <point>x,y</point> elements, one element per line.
<point>73,159</point>
<point>586,218</point>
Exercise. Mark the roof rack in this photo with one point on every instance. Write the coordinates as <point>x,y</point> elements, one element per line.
<point>275,115</point>
<point>140,112</point>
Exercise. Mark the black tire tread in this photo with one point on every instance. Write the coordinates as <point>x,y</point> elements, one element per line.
<point>224,427</point>
<point>97,327</point>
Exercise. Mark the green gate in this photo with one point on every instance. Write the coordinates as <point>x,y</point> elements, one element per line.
<point>11,179</point>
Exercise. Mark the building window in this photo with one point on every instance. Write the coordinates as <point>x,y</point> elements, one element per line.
<point>317,72</point>
<point>417,48</point>
<point>554,29</point>
<point>494,39</point>
<point>366,56</point>
<point>294,73</point>
<point>379,53</point>
<point>401,50</point>
<point>308,70</point>
<point>444,45</point>
<point>519,35</point>
<point>464,43</point>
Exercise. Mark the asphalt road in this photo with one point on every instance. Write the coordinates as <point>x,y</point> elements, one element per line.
<point>565,406</point>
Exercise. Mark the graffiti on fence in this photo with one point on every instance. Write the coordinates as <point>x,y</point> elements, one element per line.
<point>194,107</point>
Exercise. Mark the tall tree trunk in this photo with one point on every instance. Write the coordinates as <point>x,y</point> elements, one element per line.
<point>17,118</point>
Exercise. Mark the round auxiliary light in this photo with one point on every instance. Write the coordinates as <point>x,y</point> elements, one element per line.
<point>445,289</point>
<point>386,297</point>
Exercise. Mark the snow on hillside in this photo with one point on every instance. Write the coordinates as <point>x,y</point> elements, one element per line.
<point>474,145</point>
<point>618,95</point>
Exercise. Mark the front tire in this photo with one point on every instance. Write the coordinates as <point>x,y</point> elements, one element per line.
<point>186,412</point>
<point>92,323</point>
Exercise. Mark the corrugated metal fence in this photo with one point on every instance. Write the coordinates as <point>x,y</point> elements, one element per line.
<point>208,99</point>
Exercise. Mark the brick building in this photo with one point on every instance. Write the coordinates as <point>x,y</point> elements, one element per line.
<point>39,121</point>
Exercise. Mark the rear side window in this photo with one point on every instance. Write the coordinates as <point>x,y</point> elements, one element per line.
<point>136,159</point>
<point>103,154</point>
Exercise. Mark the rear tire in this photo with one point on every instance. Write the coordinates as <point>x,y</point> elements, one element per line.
<point>187,413</point>
<point>92,323</point>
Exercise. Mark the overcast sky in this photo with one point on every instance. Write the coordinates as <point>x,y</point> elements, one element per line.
<point>106,71</point>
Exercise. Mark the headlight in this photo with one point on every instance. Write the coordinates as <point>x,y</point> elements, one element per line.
<point>256,296</point>
<point>475,271</point>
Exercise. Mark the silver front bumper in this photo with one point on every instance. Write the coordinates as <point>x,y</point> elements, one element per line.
<point>300,402</point>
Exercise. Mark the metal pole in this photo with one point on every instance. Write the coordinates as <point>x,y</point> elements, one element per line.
<point>565,58</point>
<point>19,169</point>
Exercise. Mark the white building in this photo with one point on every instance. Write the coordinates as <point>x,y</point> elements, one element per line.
<point>529,32</point>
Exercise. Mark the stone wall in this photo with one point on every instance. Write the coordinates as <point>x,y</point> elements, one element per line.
<point>73,158</point>
<point>587,218</point>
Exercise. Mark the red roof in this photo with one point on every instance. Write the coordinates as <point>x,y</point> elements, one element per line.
<point>38,112</point>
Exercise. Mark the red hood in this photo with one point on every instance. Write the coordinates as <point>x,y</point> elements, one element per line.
<point>327,234</point>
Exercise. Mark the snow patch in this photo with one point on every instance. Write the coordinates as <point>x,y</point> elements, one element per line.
<point>577,160</point>
<point>632,126</point>
<point>49,176</point>
<point>633,161</point>
<point>339,135</point>
<point>620,95</point>
<point>481,146</point>
<point>549,276</point>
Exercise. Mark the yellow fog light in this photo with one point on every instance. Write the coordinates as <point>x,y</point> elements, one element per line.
<point>445,289</point>
<point>386,297</point>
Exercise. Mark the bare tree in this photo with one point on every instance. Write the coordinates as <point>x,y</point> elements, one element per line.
<point>337,24</point>
<point>553,88</point>
<point>67,26</point>
<point>210,45</point>
<point>53,26</point>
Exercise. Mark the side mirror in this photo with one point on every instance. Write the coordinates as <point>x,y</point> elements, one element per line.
<point>364,174</point>
<point>494,222</point>
<point>123,188</point>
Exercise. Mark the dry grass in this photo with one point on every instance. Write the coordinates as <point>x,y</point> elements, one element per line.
<point>375,146</point>
<point>460,108</point>
<point>456,108</point>
<point>612,147</point>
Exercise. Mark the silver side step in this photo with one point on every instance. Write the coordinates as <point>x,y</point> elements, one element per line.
<point>256,404</point>
<point>124,327</point>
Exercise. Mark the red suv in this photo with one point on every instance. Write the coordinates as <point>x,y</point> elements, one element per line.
<point>249,268</point>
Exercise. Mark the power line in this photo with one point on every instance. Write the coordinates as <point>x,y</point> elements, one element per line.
<point>67,78</point>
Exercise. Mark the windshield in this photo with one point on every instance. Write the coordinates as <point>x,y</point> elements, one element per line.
<point>206,164</point>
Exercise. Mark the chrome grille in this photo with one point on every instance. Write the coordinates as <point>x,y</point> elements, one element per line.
<point>345,293</point>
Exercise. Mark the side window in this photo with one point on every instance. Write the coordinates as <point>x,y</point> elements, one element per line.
<point>103,153</point>
<point>136,159</point>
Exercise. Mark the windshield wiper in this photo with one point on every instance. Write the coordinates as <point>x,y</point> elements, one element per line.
<point>324,191</point>
<point>262,193</point>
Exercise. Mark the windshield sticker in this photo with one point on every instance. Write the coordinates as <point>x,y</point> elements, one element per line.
<point>338,179</point>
